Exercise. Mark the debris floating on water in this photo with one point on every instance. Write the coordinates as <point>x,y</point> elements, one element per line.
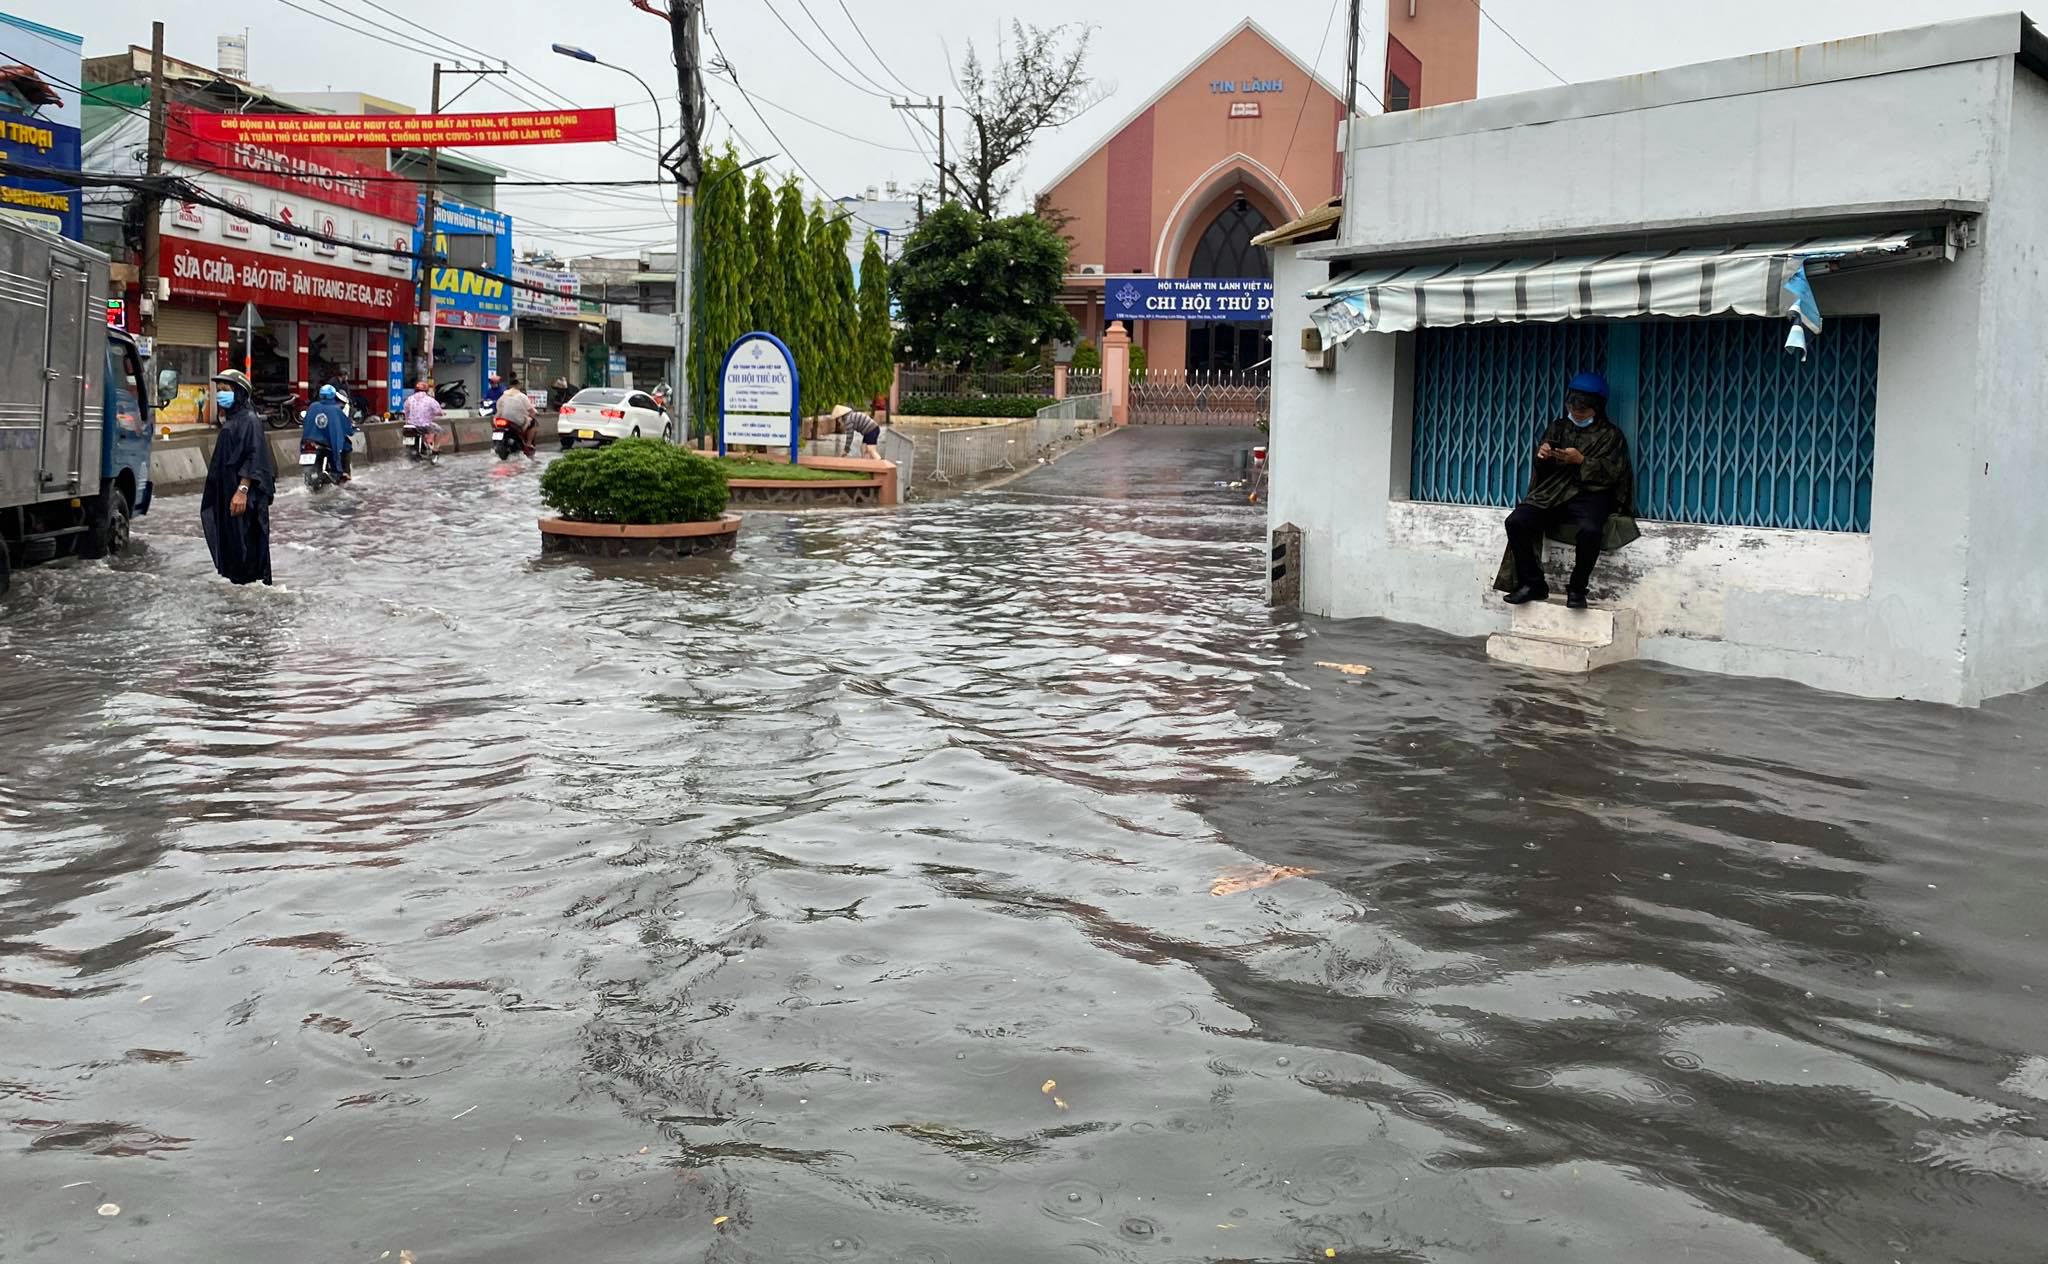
<point>1349,669</point>
<point>108,1209</point>
<point>1252,877</point>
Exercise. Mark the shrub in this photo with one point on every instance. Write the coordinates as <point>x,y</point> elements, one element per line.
<point>973,405</point>
<point>634,481</point>
<point>1137,361</point>
<point>1087,359</point>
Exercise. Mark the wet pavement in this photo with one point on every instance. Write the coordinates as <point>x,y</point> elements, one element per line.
<point>852,900</point>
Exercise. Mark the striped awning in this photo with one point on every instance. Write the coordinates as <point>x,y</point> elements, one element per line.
<point>1767,279</point>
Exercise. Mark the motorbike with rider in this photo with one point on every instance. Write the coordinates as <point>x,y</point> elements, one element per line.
<point>325,434</point>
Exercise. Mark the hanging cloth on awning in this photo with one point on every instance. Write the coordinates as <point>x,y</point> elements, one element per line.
<point>1767,279</point>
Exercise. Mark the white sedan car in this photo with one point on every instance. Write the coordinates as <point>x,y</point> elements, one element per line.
<point>604,413</point>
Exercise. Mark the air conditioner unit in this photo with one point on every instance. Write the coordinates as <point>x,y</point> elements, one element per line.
<point>1089,269</point>
<point>1313,353</point>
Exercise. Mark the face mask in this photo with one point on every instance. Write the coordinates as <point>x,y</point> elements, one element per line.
<point>226,399</point>
<point>1582,424</point>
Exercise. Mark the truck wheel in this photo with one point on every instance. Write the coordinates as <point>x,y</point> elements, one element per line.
<point>108,533</point>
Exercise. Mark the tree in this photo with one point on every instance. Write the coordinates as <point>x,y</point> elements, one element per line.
<point>722,294</point>
<point>975,291</point>
<point>765,312</point>
<point>876,359</point>
<point>1087,359</point>
<point>822,372</point>
<point>842,311</point>
<point>1038,79</point>
<point>792,256</point>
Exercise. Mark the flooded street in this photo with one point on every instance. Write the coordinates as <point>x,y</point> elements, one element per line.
<point>851,900</point>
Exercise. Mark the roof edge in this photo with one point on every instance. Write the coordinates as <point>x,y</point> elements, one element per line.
<point>1248,24</point>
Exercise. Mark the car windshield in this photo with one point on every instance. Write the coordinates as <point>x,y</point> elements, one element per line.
<point>599,396</point>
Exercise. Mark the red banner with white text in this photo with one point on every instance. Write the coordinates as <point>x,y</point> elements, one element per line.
<point>333,178</point>
<point>408,131</point>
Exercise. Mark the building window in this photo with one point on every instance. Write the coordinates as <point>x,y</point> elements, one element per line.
<point>1398,95</point>
<point>1225,250</point>
<point>1404,77</point>
<point>1724,428</point>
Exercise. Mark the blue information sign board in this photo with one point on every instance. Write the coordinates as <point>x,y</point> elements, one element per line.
<point>758,389</point>
<point>1189,298</point>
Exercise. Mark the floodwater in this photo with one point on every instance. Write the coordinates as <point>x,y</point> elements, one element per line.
<point>851,900</point>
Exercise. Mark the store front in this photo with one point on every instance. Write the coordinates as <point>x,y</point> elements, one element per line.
<point>548,344</point>
<point>472,310</point>
<point>293,311</point>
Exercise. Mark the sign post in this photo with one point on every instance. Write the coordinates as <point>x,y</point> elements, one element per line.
<point>758,389</point>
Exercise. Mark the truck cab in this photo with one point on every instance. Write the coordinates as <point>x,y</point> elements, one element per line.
<point>76,412</point>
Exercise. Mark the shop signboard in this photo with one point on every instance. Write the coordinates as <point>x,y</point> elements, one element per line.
<point>466,299</point>
<point>1189,298</point>
<point>205,270</point>
<point>328,225</point>
<point>560,302</point>
<point>39,119</point>
<point>758,390</point>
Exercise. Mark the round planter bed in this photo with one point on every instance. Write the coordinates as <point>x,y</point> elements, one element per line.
<point>666,539</point>
<point>773,493</point>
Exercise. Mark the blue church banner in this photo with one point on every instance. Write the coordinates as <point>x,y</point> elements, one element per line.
<point>1189,298</point>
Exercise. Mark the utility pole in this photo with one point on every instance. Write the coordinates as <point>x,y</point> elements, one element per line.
<point>940,106</point>
<point>429,208</point>
<point>1350,102</point>
<point>429,312</point>
<point>688,169</point>
<point>152,219</point>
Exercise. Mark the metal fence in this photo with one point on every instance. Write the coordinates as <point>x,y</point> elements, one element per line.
<point>950,456</point>
<point>1198,398</point>
<point>1084,383</point>
<point>924,380</point>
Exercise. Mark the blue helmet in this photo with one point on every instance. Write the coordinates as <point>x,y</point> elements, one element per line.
<point>1588,384</point>
<point>328,392</point>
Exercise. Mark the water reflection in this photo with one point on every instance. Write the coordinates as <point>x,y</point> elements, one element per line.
<point>851,900</point>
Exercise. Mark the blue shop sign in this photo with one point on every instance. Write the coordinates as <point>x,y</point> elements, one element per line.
<point>1189,298</point>
<point>464,299</point>
<point>39,121</point>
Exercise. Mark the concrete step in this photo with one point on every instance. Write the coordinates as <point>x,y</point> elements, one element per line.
<point>1595,627</point>
<point>1547,636</point>
<point>1545,654</point>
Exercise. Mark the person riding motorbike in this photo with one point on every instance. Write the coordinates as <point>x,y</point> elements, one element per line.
<point>423,413</point>
<point>515,407</point>
<point>328,427</point>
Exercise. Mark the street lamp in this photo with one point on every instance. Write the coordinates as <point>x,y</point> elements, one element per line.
<point>584,54</point>
<point>678,352</point>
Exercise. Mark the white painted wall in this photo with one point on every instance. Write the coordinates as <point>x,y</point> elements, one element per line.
<point>1858,122</point>
<point>2008,470</point>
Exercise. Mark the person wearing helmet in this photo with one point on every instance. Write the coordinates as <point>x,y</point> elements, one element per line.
<point>423,413</point>
<point>1581,491</point>
<point>327,426</point>
<point>234,510</point>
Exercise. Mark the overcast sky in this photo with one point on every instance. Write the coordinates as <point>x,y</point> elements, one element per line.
<point>1138,45</point>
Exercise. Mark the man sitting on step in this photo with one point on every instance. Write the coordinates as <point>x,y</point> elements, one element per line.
<point>1582,492</point>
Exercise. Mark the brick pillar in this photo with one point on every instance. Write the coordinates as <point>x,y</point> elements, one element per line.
<point>377,376</point>
<point>1116,371</point>
<point>895,389</point>
<point>304,330</point>
<point>1059,381</point>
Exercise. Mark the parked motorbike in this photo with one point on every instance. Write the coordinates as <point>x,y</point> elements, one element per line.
<point>279,406</point>
<point>452,395</point>
<point>416,446</point>
<point>316,464</point>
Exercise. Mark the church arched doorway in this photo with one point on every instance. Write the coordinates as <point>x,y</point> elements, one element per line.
<point>1225,250</point>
